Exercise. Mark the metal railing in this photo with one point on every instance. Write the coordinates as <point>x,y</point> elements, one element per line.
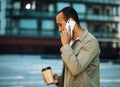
<point>93,17</point>
<point>112,2</point>
<point>39,14</point>
<point>30,13</point>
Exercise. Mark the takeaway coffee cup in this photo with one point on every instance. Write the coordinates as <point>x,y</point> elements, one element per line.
<point>48,75</point>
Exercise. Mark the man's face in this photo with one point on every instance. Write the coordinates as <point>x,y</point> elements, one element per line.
<point>60,21</point>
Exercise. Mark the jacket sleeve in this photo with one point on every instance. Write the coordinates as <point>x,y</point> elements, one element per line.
<point>77,63</point>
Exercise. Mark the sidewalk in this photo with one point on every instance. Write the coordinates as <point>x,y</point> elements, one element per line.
<point>25,71</point>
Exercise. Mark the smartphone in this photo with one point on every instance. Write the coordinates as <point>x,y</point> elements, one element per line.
<point>70,23</point>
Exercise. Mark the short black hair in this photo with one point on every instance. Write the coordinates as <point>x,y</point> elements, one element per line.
<point>70,12</point>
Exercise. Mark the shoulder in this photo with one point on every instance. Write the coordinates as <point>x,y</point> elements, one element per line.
<point>87,36</point>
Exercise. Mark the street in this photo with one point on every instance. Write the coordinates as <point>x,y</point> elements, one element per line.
<point>25,71</point>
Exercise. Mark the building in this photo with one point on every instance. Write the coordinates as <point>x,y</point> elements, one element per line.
<point>2,17</point>
<point>31,27</point>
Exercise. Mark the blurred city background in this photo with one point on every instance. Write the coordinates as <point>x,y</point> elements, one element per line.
<point>29,39</point>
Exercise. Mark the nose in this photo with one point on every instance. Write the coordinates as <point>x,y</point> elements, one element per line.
<point>60,30</point>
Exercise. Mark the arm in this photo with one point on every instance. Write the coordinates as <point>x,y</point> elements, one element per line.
<point>77,64</point>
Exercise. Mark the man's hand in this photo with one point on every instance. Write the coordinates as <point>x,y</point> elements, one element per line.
<point>65,36</point>
<point>56,79</point>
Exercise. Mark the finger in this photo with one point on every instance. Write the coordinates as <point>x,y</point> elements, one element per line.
<point>69,27</point>
<point>55,76</point>
<point>61,34</point>
<point>45,80</point>
<point>65,32</point>
<point>69,33</point>
<point>56,79</point>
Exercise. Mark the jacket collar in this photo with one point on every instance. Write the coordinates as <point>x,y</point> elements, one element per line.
<point>81,37</point>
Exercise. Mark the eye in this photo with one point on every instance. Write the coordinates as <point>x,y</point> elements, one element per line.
<point>59,25</point>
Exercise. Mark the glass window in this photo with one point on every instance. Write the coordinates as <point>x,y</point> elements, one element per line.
<point>26,4</point>
<point>48,24</point>
<point>28,24</point>
<point>44,6</point>
<point>61,5</point>
<point>96,11</point>
<point>97,28</point>
<point>51,8</point>
<point>0,5</point>
<point>83,24</point>
<point>80,8</point>
<point>0,25</point>
<point>108,12</point>
<point>16,5</point>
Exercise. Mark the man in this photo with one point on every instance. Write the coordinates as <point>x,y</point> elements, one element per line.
<point>81,58</point>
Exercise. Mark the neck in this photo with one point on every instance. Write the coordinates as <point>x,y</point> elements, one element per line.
<point>77,32</point>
